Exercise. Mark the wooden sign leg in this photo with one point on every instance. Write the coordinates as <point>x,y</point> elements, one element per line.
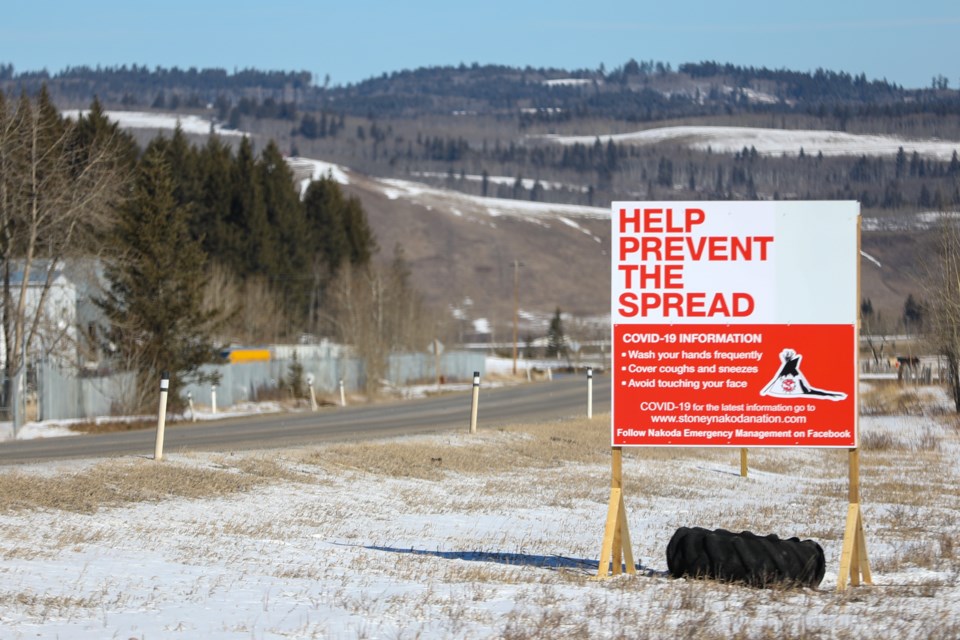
<point>616,547</point>
<point>854,563</point>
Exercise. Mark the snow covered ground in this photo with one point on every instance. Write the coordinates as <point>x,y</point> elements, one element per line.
<point>190,123</point>
<point>775,141</point>
<point>495,535</point>
<point>719,139</point>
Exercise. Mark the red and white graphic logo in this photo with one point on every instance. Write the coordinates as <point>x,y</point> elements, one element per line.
<point>790,383</point>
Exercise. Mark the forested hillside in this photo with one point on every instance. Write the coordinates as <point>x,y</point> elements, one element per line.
<point>185,248</point>
<point>445,123</point>
<point>506,132</point>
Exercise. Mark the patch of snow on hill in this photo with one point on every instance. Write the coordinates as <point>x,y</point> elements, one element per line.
<point>774,141</point>
<point>922,221</point>
<point>568,82</point>
<point>189,123</point>
<point>316,170</point>
<point>396,188</point>
<point>527,183</point>
<point>574,225</point>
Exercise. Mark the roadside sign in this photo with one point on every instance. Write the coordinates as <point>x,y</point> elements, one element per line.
<point>734,323</point>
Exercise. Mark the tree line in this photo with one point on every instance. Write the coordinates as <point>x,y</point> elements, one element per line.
<point>616,171</point>
<point>634,91</point>
<point>200,246</point>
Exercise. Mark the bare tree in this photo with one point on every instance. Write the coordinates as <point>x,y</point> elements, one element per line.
<point>356,297</point>
<point>873,329</point>
<point>944,294</point>
<point>377,311</point>
<point>263,315</point>
<point>59,182</point>
<point>252,311</point>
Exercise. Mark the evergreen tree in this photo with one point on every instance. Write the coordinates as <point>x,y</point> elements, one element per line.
<point>182,158</point>
<point>337,224</point>
<point>252,241</point>
<point>154,298</point>
<point>665,172</point>
<point>556,341</point>
<point>913,313</point>
<point>900,164</point>
<point>338,234</point>
<point>360,239</point>
<point>323,205</point>
<point>212,222</point>
<point>296,380</point>
<point>286,219</point>
<point>94,129</point>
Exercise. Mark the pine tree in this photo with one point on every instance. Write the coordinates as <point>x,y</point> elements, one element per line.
<point>182,158</point>
<point>286,219</point>
<point>338,225</point>
<point>94,129</point>
<point>154,299</point>
<point>360,239</point>
<point>216,193</point>
<point>556,341</point>
<point>323,205</point>
<point>252,238</point>
<point>913,313</point>
<point>338,234</point>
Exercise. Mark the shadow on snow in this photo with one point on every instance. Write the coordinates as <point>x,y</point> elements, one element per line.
<point>552,562</point>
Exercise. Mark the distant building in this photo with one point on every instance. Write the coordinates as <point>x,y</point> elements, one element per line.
<point>67,309</point>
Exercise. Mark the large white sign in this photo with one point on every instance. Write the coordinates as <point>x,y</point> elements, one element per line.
<point>734,323</point>
<point>735,262</point>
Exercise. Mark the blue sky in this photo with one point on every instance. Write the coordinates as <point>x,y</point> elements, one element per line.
<point>905,42</point>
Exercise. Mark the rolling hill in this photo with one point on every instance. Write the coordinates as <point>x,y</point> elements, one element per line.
<point>466,250</point>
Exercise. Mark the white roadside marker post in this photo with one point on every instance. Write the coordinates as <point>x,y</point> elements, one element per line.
<point>213,399</point>
<point>313,394</point>
<point>589,392</point>
<point>161,419</point>
<point>473,404</point>
<point>343,398</point>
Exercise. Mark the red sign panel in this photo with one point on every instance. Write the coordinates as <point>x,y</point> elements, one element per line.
<point>739,385</point>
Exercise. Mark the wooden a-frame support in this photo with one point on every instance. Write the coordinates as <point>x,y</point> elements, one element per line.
<point>854,563</point>
<point>616,549</point>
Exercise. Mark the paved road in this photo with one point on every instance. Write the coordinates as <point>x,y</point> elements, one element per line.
<point>565,396</point>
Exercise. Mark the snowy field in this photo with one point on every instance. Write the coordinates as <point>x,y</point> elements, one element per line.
<point>719,139</point>
<point>775,141</point>
<point>189,123</point>
<point>494,535</point>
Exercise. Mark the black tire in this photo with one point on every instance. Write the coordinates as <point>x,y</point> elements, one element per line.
<point>744,557</point>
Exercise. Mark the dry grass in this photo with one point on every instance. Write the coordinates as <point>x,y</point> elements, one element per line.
<point>545,480</point>
<point>112,426</point>
<point>885,398</point>
<point>114,483</point>
<point>531,446</point>
<point>886,441</point>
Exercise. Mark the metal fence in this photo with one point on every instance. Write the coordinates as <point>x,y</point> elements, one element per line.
<point>62,396</point>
